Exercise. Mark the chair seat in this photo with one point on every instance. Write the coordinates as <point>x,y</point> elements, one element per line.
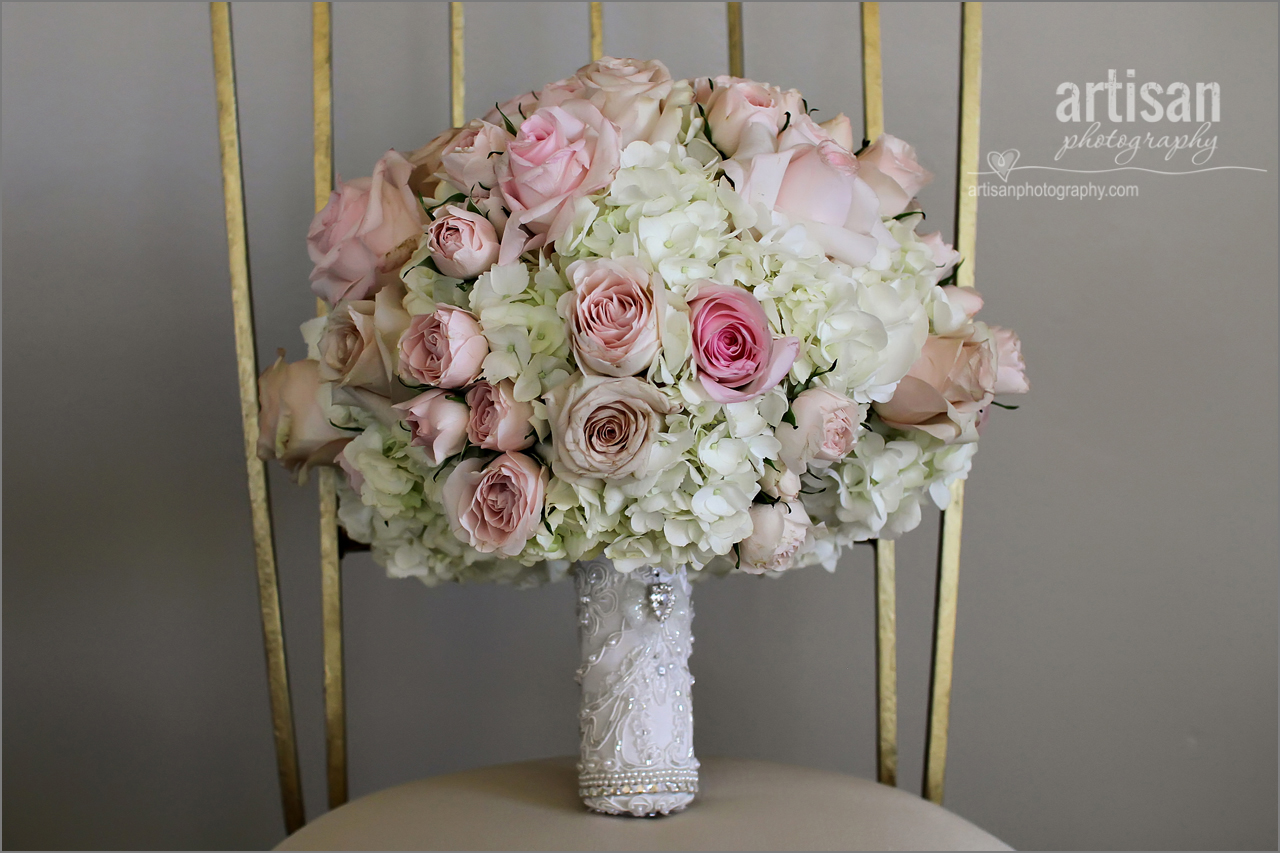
<point>743,805</point>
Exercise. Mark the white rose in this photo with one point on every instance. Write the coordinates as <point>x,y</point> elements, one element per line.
<point>779,531</point>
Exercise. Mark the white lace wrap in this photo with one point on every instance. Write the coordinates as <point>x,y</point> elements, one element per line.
<point>636,720</point>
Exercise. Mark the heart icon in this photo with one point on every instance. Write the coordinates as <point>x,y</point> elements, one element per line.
<point>1002,162</point>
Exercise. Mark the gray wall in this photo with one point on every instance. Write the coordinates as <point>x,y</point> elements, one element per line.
<point>1116,665</point>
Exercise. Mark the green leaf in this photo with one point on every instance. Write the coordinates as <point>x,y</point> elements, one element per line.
<point>951,279</point>
<point>786,123</point>
<point>866,143</point>
<point>1005,406</point>
<point>511,128</point>
<point>347,429</point>
<point>789,418</point>
<point>907,213</point>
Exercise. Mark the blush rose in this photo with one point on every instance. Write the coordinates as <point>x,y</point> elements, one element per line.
<point>495,506</point>
<point>462,244</point>
<point>438,422</point>
<point>561,153</point>
<point>948,387</point>
<point>893,172</point>
<point>777,533</point>
<point>827,425</point>
<point>369,226</point>
<point>498,421</point>
<point>445,348</point>
<point>612,316</point>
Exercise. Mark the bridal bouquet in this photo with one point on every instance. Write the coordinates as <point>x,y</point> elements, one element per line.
<point>670,323</point>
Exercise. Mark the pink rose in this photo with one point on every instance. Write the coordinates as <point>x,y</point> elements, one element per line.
<point>826,428</point>
<point>628,92</point>
<point>469,158</point>
<point>463,244</point>
<point>496,507</point>
<point>605,427</point>
<point>777,533</point>
<point>613,318</point>
<point>498,421</point>
<point>561,153</point>
<point>425,177</point>
<point>890,167</point>
<point>737,356</point>
<point>819,186</point>
<point>444,348</point>
<point>943,253</point>
<point>370,226</point>
<point>292,424</point>
<point>438,422</point>
<point>359,345</point>
<point>744,116</point>
<point>1011,371</point>
<point>947,388</point>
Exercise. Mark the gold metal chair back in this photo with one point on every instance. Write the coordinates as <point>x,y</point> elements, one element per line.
<point>330,562</point>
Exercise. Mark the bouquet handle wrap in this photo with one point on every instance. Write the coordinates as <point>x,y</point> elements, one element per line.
<point>636,719</point>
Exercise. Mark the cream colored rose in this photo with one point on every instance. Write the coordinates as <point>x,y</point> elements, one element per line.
<point>778,531</point>
<point>613,316</point>
<point>605,427</point>
<point>359,346</point>
<point>292,424</point>
<point>628,92</point>
<point>780,482</point>
<point>826,428</point>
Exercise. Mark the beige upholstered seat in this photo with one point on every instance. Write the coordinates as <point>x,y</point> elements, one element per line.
<point>743,805</point>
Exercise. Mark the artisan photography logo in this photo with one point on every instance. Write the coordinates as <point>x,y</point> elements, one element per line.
<point>1154,128</point>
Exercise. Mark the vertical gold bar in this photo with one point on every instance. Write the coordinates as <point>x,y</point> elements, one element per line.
<point>970,96</point>
<point>886,665</point>
<point>734,12</point>
<point>457,66</point>
<point>597,31</point>
<point>247,370</point>
<point>886,582</point>
<point>335,712</point>
<point>872,74</point>
<point>944,626</point>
